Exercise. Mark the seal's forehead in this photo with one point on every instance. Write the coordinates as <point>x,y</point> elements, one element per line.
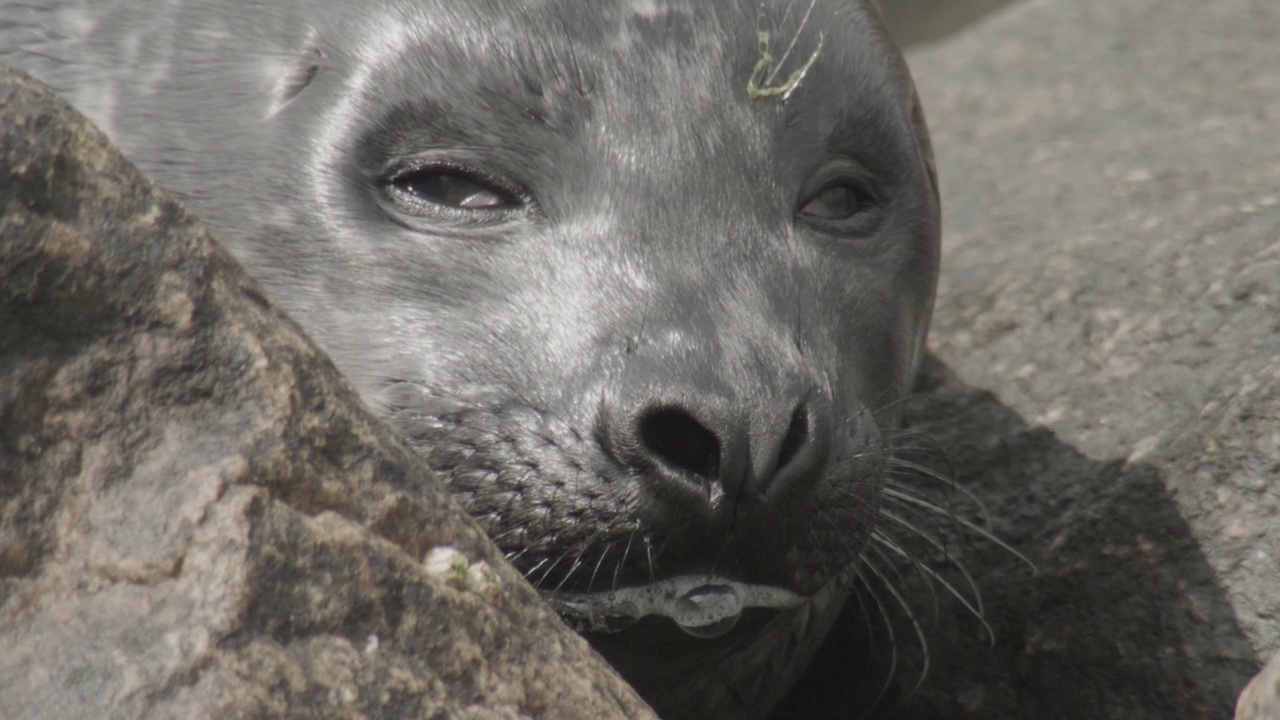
<point>618,38</point>
<point>684,78</point>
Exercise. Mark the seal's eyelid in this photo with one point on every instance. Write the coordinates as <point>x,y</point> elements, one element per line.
<point>839,200</point>
<point>447,188</point>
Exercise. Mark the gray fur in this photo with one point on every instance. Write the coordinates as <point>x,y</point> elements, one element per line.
<point>655,259</point>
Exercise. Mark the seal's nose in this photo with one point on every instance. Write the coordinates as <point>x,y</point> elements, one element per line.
<point>675,438</point>
<point>715,449</point>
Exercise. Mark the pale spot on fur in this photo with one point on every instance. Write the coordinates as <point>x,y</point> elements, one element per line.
<point>647,9</point>
<point>77,22</point>
<point>97,101</point>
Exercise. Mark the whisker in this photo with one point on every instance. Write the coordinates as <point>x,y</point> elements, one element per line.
<point>534,569</point>
<point>889,631</point>
<point>911,616</point>
<point>966,524</point>
<point>648,552</point>
<point>940,547</point>
<point>934,575</point>
<point>577,563</point>
<point>926,577</point>
<point>550,568</point>
<point>605,553</point>
<point>947,481</point>
<point>625,554</point>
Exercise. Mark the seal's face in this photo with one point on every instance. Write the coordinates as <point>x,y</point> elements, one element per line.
<point>644,280</point>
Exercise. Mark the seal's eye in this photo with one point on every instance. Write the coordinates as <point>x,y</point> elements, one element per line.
<point>451,189</point>
<point>847,206</point>
<point>430,193</point>
<point>838,202</point>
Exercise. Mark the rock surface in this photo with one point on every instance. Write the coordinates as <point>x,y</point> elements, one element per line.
<point>1109,319</point>
<point>198,518</point>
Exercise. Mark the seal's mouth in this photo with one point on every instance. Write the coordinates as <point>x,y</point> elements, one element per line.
<point>704,606</point>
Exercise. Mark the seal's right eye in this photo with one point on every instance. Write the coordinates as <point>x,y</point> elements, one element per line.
<point>847,206</point>
<point>451,188</point>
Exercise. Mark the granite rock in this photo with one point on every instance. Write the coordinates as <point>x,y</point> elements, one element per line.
<point>1107,342</point>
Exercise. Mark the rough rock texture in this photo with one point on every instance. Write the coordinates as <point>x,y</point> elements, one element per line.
<point>1111,283</point>
<point>197,516</point>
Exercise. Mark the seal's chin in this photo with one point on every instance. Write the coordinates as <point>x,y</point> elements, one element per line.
<point>704,606</point>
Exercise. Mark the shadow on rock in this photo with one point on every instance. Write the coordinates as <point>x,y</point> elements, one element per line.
<point>1124,619</point>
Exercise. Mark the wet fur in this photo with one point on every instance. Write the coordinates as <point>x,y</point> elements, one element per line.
<point>659,258</point>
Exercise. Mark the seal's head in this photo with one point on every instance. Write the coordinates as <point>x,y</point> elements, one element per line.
<point>645,280</point>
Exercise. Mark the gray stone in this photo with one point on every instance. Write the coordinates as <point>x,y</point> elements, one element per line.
<point>198,518</point>
<point>1109,322</point>
<point>914,22</point>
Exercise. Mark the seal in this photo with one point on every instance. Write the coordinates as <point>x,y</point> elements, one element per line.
<point>646,281</point>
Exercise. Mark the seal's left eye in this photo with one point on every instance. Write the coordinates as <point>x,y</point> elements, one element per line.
<point>838,202</point>
<point>452,189</point>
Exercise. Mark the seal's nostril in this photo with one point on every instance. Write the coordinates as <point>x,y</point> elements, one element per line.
<point>796,438</point>
<point>681,442</point>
